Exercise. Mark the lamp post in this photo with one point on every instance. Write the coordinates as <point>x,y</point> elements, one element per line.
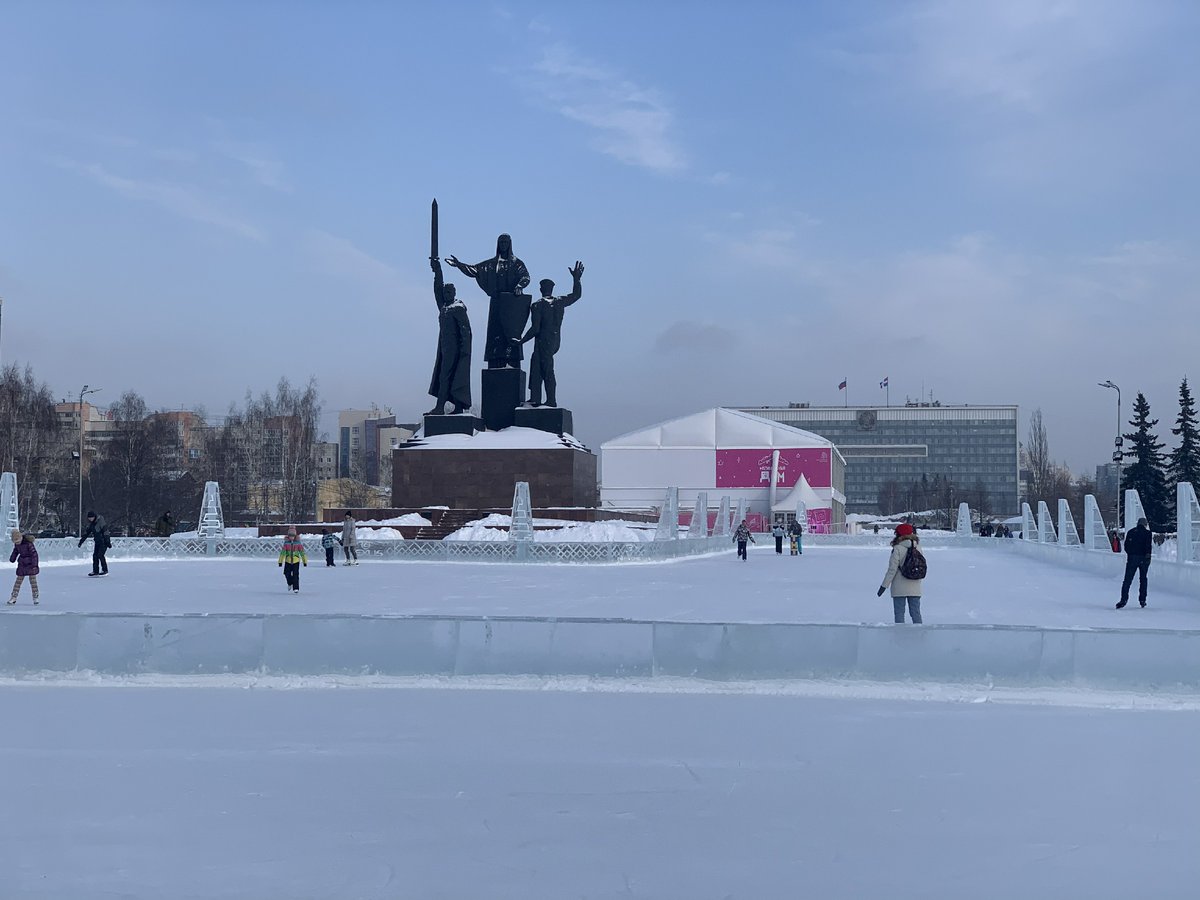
<point>1117,447</point>
<point>85,390</point>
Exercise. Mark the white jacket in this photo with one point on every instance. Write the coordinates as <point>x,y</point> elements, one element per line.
<point>901,586</point>
<point>349,539</point>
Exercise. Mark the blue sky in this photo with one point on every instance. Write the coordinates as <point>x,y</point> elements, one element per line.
<point>994,200</point>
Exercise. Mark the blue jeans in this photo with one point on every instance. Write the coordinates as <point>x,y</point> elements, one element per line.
<point>914,609</point>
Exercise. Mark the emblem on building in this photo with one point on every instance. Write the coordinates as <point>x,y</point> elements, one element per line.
<point>867,419</point>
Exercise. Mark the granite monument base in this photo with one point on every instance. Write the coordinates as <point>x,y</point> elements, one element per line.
<point>466,478</point>
<point>503,391</point>
<point>554,419</point>
<point>464,423</point>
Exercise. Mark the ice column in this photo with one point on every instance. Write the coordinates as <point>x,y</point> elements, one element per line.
<point>1067,535</point>
<point>1188,521</point>
<point>1045,525</point>
<point>1133,508</point>
<point>10,513</point>
<point>1028,526</point>
<point>668,520</point>
<point>741,512</point>
<point>721,527</point>
<point>1095,536</point>
<point>964,521</point>
<point>699,526</point>
<point>212,520</point>
<point>521,528</point>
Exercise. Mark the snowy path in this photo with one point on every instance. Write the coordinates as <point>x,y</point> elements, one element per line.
<point>375,793</point>
<point>825,585</point>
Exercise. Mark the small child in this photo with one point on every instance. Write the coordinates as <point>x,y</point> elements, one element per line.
<point>328,541</point>
<point>290,557</point>
<point>25,555</point>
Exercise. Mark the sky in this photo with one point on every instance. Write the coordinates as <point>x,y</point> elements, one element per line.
<point>994,202</point>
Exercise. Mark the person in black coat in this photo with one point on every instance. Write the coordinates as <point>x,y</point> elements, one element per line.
<point>97,530</point>
<point>1138,544</point>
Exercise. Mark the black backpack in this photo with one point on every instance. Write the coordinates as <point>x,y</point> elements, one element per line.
<point>914,566</point>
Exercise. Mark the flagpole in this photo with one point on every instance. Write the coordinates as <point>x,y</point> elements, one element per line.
<point>887,391</point>
<point>847,398</point>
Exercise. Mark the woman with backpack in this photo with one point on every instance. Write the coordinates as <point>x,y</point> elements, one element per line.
<point>905,573</point>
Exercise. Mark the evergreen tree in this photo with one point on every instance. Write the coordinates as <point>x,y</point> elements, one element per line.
<point>1145,467</point>
<point>1185,459</point>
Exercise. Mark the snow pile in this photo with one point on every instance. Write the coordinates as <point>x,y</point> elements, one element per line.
<point>494,527</point>
<point>230,533</point>
<point>378,534</point>
<point>407,519</point>
<point>505,439</point>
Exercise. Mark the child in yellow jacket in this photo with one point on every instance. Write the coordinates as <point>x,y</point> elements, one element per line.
<point>291,557</point>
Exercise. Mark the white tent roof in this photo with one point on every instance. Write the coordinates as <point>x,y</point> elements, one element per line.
<point>714,428</point>
<point>802,491</point>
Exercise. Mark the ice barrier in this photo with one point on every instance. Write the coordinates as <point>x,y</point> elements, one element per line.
<point>1028,526</point>
<point>721,526</point>
<point>668,519</point>
<point>1067,535</point>
<point>1045,525</point>
<point>1187,512</point>
<point>963,528</point>
<point>521,523</point>
<point>120,644</point>
<point>699,526</point>
<point>1133,509</point>
<point>1095,535</point>
<point>10,514</point>
<point>212,519</point>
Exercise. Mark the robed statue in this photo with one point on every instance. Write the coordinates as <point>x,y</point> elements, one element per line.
<point>503,278</point>
<point>452,368</point>
<point>545,330</point>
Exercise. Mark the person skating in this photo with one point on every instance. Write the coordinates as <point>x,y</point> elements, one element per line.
<point>97,530</point>
<point>1138,545</point>
<point>741,536</point>
<point>350,539</point>
<point>905,590</point>
<point>25,555</point>
<point>328,542</point>
<point>290,558</point>
<point>779,533</point>
<point>796,530</point>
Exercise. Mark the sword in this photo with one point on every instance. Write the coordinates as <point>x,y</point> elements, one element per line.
<point>433,234</point>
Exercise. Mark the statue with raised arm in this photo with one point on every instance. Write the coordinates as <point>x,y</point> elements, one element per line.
<point>545,330</point>
<point>502,278</point>
<point>452,367</point>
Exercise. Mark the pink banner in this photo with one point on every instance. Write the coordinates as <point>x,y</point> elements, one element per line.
<point>752,468</point>
<point>820,520</point>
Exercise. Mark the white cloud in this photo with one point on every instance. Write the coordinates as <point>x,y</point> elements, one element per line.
<point>341,258</point>
<point>184,200</point>
<point>631,123</point>
<point>267,172</point>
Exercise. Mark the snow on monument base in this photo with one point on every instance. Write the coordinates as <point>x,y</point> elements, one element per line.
<point>118,644</point>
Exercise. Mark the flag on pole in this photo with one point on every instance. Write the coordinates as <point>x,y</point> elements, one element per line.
<point>842,386</point>
<point>884,383</point>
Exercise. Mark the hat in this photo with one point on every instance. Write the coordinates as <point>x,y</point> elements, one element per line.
<point>904,530</point>
<point>91,515</point>
<point>546,281</point>
<point>16,535</point>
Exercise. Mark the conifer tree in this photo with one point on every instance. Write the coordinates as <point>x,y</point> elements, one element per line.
<point>1185,459</point>
<point>1145,467</point>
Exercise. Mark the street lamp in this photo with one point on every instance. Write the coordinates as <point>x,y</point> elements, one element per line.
<point>85,390</point>
<point>1117,447</point>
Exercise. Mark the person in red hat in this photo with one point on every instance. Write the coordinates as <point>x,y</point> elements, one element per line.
<point>905,574</point>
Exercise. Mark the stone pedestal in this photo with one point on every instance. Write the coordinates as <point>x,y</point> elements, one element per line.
<point>554,419</point>
<point>460,424</point>
<point>503,392</point>
<point>465,478</point>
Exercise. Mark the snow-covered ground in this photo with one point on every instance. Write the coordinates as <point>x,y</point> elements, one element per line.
<point>495,527</point>
<point>216,792</point>
<point>827,584</point>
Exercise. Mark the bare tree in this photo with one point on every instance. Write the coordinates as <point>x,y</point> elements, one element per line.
<point>30,445</point>
<point>1041,466</point>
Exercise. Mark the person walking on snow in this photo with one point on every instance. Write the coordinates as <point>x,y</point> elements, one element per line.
<point>349,540</point>
<point>25,555</point>
<point>904,589</point>
<point>779,533</point>
<point>741,536</point>
<point>327,542</point>
<point>290,557</point>
<point>1138,544</point>
<point>97,530</point>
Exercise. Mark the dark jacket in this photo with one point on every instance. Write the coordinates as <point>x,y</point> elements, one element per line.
<point>165,526</point>
<point>1138,541</point>
<point>452,366</point>
<point>25,556</point>
<point>743,534</point>
<point>98,531</point>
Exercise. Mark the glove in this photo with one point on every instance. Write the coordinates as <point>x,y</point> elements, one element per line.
<point>81,543</point>
<point>879,593</point>
<point>306,565</point>
<point>281,565</point>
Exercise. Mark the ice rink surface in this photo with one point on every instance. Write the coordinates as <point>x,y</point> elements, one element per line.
<point>136,792</point>
<point>824,585</point>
